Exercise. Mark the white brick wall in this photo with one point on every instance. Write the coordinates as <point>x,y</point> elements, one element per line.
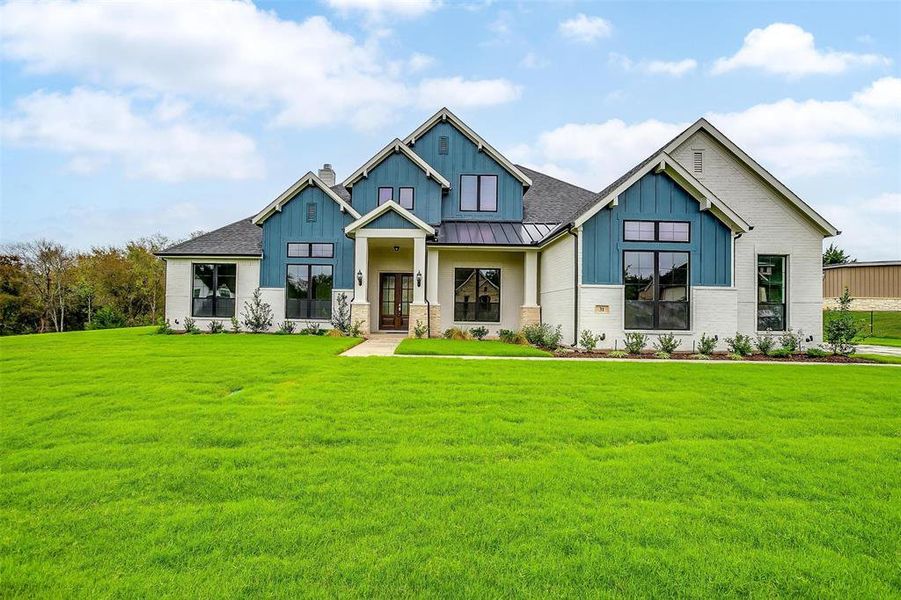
<point>779,228</point>
<point>556,286</point>
<point>179,281</point>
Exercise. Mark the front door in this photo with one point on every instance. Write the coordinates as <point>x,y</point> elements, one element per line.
<point>395,295</point>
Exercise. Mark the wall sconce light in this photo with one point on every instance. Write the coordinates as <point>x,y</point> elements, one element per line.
<point>603,337</point>
<point>397,248</point>
<point>418,278</point>
<point>359,277</point>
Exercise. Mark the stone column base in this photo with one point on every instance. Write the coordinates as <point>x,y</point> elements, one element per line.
<point>418,313</point>
<point>529,315</point>
<point>359,313</point>
<point>435,321</point>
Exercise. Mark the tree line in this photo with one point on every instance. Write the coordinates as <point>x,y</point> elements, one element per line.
<point>45,287</point>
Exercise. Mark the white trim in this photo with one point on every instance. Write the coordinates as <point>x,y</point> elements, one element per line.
<point>663,162</point>
<point>407,234</point>
<point>309,179</point>
<point>393,147</point>
<point>826,227</point>
<point>380,210</point>
<point>463,247</point>
<point>446,115</point>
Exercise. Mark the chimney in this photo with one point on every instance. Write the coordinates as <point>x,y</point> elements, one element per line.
<point>327,175</point>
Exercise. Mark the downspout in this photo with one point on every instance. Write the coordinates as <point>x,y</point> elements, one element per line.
<point>575,286</point>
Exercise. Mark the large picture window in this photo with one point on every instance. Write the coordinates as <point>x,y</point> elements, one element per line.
<point>656,290</point>
<point>309,292</point>
<point>478,193</point>
<point>770,293</point>
<point>214,290</point>
<point>477,295</point>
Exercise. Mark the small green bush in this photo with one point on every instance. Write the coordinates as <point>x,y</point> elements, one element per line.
<point>791,341</point>
<point>508,336</point>
<point>356,329</point>
<point>312,328</point>
<point>701,356</point>
<point>707,344</point>
<point>479,333</point>
<point>588,340</point>
<point>617,354</point>
<point>334,332</point>
<point>420,329</point>
<point>765,342</point>
<point>736,356</point>
<point>662,355</point>
<point>191,326</point>
<point>635,342</point>
<point>236,325</point>
<point>286,327</point>
<point>164,328</point>
<point>780,353</point>
<point>740,344</point>
<point>815,352</point>
<point>216,327</point>
<point>257,314</point>
<point>455,333</point>
<point>667,343</point>
<point>841,328</point>
<point>106,318</point>
<point>543,335</point>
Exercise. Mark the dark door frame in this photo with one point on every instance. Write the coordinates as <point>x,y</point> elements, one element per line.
<point>396,320</point>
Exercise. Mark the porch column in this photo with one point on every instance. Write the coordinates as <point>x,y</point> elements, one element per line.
<point>530,312</point>
<point>359,308</point>
<point>418,312</point>
<point>432,295</point>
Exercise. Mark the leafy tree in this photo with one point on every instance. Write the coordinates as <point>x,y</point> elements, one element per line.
<point>841,328</point>
<point>835,256</point>
<point>257,314</point>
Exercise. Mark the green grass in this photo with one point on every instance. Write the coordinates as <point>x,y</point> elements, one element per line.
<point>881,358</point>
<point>466,348</point>
<point>138,465</point>
<point>877,341</point>
<point>884,324</point>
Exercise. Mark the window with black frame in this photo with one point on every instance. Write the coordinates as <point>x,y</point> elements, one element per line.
<point>770,293</point>
<point>309,292</point>
<point>656,290</point>
<point>477,295</point>
<point>478,193</point>
<point>214,290</point>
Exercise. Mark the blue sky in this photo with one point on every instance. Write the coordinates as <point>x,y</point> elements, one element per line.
<point>126,119</point>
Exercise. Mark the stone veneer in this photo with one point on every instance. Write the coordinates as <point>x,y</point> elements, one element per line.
<point>360,313</point>
<point>435,321</point>
<point>418,312</point>
<point>529,315</point>
<point>867,303</point>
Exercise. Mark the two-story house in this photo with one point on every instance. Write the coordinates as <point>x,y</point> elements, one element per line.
<point>440,228</point>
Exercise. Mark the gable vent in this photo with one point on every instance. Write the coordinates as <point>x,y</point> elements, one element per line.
<point>311,212</point>
<point>443,143</point>
<point>698,162</point>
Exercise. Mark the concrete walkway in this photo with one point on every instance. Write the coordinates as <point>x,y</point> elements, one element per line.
<point>884,350</point>
<point>378,344</point>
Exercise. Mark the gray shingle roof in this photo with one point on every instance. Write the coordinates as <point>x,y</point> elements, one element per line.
<point>550,200</point>
<point>241,238</point>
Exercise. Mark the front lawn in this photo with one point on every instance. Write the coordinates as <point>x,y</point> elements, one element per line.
<point>140,465</point>
<point>877,341</point>
<point>876,324</point>
<point>441,347</point>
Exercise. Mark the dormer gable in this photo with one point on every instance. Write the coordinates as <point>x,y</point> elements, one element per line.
<point>310,179</point>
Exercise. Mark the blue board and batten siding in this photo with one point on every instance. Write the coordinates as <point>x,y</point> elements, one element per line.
<point>656,197</point>
<point>463,158</point>
<point>291,225</point>
<point>390,220</point>
<point>398,171</point>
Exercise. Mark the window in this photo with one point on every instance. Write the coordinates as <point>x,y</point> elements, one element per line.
<point>478,192</point>
<point>770,293</point>
<point>477,295</point>
<point>309,292</point>
<point>443,144</point>
<point>311,212</point>
<point>698,161</point>
<point>214,290</point>
<point>310,250</point>
<point>656,231</point>
<point>385,194</point>
<point>656,290</point>
<point>405,195</point>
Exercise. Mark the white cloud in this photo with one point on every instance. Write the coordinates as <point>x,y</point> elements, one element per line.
<point>786,49</point>
<point>95,128</point>
<point>533,61</point>
<point>458,92</point>
<point>585,29</point>
<point>379,9</point>
<point>304,73</point>
<point>419,62</point>
<point>676,68</point>
<point>884,94</point>
<point>869,226</point>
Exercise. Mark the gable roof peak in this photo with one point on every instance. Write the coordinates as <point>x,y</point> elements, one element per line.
<point>310,179</point>
<point>393,147</point>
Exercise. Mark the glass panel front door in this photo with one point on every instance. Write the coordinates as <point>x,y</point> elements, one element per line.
<point>395,296</point>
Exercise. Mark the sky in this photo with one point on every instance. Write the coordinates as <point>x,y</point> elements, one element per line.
<point>123,119</point>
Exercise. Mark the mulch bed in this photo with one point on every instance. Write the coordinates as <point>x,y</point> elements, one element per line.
<point>794,358</point>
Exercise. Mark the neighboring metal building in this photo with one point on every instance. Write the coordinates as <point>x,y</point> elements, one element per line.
<point>873,285</point>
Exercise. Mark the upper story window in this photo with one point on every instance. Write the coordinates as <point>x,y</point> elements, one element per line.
<point>405,197</point>
<point>385,194</point>
<point>656,231</point>
<point>214,290</point>
<point>770,293</point>
<point>310,250</point>
<point>478,193</point>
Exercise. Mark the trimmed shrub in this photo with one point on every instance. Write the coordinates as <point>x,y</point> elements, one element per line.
<point>455,333</point>
<point>191,326</point>
<point>781,353</point>
<point>815,352</point>
<point>765,342</point>
<point>662,355</point>
<point>216,327</point>
<point>707,344</point>
<point>543,335</point>
<point>740,345</point>
<point>257,314</point>
<point>701,356</point>
<point>588,340</point>
<point>479,333</point>
<point>791,341</point>
<point>667,343</point>
<point>286,327</point>
<point>635,342</point>
<point>419,329</point>
<point>736,356</point>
